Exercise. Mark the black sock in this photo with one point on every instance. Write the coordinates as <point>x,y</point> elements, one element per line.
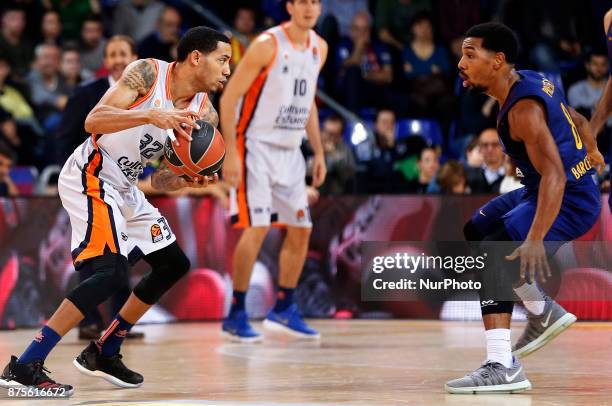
<point>284,299</point>
<point>238,301</point>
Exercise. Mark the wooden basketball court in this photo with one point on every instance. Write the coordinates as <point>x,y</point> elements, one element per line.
<point>356,363</point>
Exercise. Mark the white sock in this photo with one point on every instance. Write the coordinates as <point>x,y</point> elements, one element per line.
<point>532,298</point>
<point>498,346</point>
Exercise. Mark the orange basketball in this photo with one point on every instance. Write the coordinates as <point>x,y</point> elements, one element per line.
<point>203,156</point>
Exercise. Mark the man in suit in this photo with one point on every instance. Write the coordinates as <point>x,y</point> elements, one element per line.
<point>488,177</point>
<point>119,52</point>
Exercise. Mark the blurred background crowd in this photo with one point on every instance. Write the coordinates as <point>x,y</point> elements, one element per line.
<point>392,65</point>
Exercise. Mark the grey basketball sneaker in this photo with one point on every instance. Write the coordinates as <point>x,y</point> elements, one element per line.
<point>542,329</point>
<point>492,377</point>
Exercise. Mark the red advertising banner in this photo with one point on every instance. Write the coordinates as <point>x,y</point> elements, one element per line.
<point>36,270</point>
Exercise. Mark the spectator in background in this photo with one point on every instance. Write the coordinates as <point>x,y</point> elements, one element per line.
<point>22,131</point>
<point>452,179</point>
<point>119,52</point>
<point>511,180</point>
<point>136,18</point>
<point>380,175</point>
<point>72,14</point>
<point>422,57</point>
<point>428,164</point>
<point>7,158</point>
<point>474,113</point>
<point>584,95</point>
<point>392,17</point>
<point>13,44</point>
<point>51,28</point>
<point>488,177</point>
<point>425,67</point>
<point>11,99</point>
<point>159,44</point>
<point>549,30</point>
<point>244,24</point>
<point>70,68</point>
<point>365,69</point>
<point>92,45</point>
<point>8,130</point>
<point>338,158</point>
<point>49,94</point>
<point>473,155</point>
<point>49,91</point>
<point>33,15</point>
<point>343,12</point>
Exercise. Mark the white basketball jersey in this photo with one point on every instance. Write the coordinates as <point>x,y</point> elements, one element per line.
<point>277,105</point>
<point>126,153</point>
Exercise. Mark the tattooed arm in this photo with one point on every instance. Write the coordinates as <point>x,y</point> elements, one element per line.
<point>164,180</point>
<point>210,114</point>
<point>112,113</point>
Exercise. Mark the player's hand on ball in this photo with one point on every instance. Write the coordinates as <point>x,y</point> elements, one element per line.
<point>175,119</point>
<point>319,170</point>
<point>533,259</point>
<point>231,168</point>
<point>597,161</point>
<point>200,181</point>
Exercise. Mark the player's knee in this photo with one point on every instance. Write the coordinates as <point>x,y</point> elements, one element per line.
<point>251,239</point>
<point>108,274</point>
<point>168,265</point>
<point>498,275</point>
<point>496,306</point>
<point>255,234</point>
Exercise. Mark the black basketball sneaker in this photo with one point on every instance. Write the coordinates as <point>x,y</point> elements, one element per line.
<point>91,362</point>
<point>32,375</point>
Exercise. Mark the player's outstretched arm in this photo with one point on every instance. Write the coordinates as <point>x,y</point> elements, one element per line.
<point>527,120</point>
<point>112,112</point>
<point>604,108</point>
<point>584,131</point>
<point>257,58</point>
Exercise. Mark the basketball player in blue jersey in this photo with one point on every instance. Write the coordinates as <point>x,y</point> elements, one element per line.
<point>604,108</point>
<point>559,202</point>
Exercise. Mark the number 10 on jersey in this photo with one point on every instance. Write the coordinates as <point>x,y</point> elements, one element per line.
<point>299,87</point>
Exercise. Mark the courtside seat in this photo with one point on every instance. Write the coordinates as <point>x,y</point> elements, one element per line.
<point>429,130</point>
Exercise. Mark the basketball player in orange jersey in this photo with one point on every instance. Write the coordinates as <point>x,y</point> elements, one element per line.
<point>110,216</point>
<point>274,85</point>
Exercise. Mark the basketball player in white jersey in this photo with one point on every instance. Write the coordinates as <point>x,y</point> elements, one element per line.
<point>110,216</point>
<point>274,87</point>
